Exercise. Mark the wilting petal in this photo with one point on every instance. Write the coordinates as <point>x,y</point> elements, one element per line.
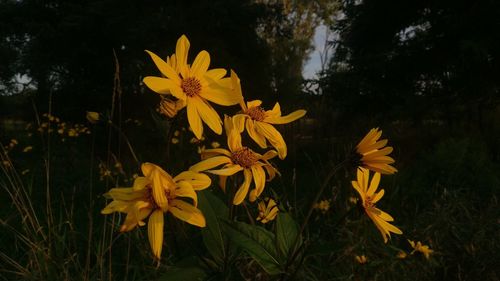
<point>155,232</point>
<point>165,69</point>
<point>194,119</point>
<point>273,136</point>
<point>208,114</point>
<point>257,137</point>
<point>243,190</point>
<point>198,181</point>
<point>239,121</point>
<point>187,213</point>
<point>233,136</point>
<point>259,178</point>
<point>254,103</point>
<point>286,119</point>
<point>210,163</point>
<point>185,189</point>
<point>227,171</point>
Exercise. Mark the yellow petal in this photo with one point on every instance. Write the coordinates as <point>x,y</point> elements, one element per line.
<point>155,232</point>
<point>194,119</point>
<point>208,115</point>
<point>215,74</point>
<point>164,86</point>
<point>125,194</point>
<point>198,181</point>
<point>115,206</point>
<point>269,155</point>
<point>286,119</point>
<point>187,213</point>
<point>233,136</point>
<point>140,183</point>
<point>239,121</point>
<point>222,182</point>
<point>200,64</point>
<point>165,69</point>
<point>181,54</point>
<point>161,182</point>
<point>273,136</point>
<point>211,152</point>
<point>210,163</point>
<point>259,177</point>
<point>185,189</point>
<point>254,103</point>
<point>243,189</point>
<point>373,184</point>
<point>228,171</point>
<point>256,136</point>
<point>220,95</point>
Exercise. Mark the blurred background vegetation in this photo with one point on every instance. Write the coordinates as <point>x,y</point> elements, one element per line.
<point>426,72</point>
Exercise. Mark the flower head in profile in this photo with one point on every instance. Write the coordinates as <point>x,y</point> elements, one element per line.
<point>369,196</point>
<point>419,247</point>
<point>259,122</point>
<point>194,85</point>
<point>155,194</point>
<point>374,153</point>
<point>238,158</point>
<point>268,210</point>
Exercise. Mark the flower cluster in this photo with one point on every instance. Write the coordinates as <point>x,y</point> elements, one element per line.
<point>195,87</point>
<point>374,157</point>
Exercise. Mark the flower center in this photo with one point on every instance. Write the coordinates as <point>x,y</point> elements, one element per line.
<point>368,202</point>
<point>244,157</point>
<point>191,86</point>
<point>256,113</point>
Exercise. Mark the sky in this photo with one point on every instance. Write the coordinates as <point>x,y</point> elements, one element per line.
<point>313,64</point>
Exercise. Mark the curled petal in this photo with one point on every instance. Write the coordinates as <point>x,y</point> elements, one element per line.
<point>243,190</point>
<point>187,213</point>
<point>198,181</point>
<point>155,232</point>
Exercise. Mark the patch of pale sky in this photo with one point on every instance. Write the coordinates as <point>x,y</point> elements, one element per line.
<point>312,65</point>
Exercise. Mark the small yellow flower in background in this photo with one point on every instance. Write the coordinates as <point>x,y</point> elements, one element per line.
<point>14,141</point>
<point>259,123</point>
<point>28,149</point>
<point>353,200</point>
<point>401,255</point>
<point>361,259</point>
<point>6,163</point>
<point>419,247</point>
<point>215,144</point>
<point>24,172</point>
<point>369,196</point>
<point>60,131</point>
<point>268,210</point>
<point>177,133</point>
<point>93,117</point>
<point>194,85</point>
<point>155,194</point>
<point>238,158</point>
<point>323,206</point>
<point>175,140</point>
<point>374,153</point>
<point>72,133</point>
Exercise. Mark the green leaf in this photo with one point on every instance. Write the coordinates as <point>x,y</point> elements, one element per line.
<point>258,242</point>
<point>212,208</point>
<point>286,233</point>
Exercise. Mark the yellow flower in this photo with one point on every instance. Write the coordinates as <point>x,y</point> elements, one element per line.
<point>323,206</point>
<point>175,140</point>
<point>369,197</point>
<point>238,158</point>
<point>259,123</point>
<point>92,117</point>
<point>214,144</point>
<point>374,153</point>
<point>419,247</point>
<point>155,194</point>
<point>267,212</point>
<point>194,85</point>
<point>361,259</point>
